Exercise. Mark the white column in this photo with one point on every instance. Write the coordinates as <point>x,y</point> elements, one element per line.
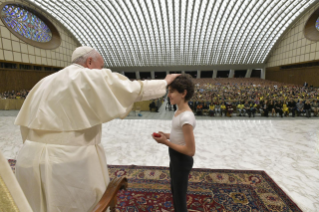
<point>153,74</point>
<point>231,73</point>
<point>167,72</point>
<point>183,72</point>
<point>263,73</point>
<point>198,74</point>
<point>122,72</point>
<point>214,73</point>
<point>137,73</point>
<point>248,73</point>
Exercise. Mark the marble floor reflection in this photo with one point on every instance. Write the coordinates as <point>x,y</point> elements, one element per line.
<point>287,149</point>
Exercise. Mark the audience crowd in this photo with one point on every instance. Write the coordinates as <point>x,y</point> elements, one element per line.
<point>248,96</point>
<point>21,94</point>
<point>243,96</point>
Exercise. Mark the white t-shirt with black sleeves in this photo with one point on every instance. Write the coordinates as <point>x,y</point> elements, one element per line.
<point>186,117</point>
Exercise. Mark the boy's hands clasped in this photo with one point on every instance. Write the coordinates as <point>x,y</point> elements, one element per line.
<point>160,137</point>
<point>166,135</point>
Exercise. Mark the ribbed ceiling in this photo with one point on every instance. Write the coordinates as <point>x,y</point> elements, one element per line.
<point>177,32</point>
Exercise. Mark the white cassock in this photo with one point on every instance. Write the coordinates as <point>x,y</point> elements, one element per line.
<point>62,164</point>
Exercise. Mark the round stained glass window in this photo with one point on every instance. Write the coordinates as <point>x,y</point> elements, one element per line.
<point>317,24</point>
<point>26,23</point>
<point>311,27</point>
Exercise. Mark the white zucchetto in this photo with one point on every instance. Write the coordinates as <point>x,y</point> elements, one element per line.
<point>80,51</point>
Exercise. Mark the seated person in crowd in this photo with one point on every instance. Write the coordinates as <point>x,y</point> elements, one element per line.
<point>223,109</point>
<point>285,109</point>
<point>241,109</point>
<point>152,106</point>
<point>307,108</point>
<point>253,108</point>
<point>229,108</point>
<point>205,106</point>
<point>18,95</point>
<point>264,107</point>
<point>300,107</point>
<point>314,107</point>
<point>260,107</point>
<point>278,108</point>
<point>211,109</point>
<point>292,107</point>
<point>199,109</point>
<point>196,103</point>
<point>217,108</point>
<point>271,108</point>
<point>247,108</point>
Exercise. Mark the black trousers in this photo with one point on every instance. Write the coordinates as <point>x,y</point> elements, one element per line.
<point>293,111</point>
<point>179,167</point>
<point>308,113</point>
<point>248,112</point>
<point>279,111</point>
<point>265,112</point>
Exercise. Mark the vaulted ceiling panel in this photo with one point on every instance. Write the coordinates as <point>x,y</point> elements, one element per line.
<point>177,32</point>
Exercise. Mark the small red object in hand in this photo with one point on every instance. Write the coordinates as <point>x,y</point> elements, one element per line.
<point>156,135</point>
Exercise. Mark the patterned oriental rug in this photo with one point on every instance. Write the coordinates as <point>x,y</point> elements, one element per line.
<point>210,190</point>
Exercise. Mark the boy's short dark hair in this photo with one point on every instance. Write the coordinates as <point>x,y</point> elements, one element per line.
<point>182,83</point>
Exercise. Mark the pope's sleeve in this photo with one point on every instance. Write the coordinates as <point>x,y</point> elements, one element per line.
<point>115,94</point>
<point>139,90</point>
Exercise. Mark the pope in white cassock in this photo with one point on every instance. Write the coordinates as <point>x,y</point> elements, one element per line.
<point>62,164</point>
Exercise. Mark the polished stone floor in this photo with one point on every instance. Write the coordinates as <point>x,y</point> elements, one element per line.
<point>286,148</point>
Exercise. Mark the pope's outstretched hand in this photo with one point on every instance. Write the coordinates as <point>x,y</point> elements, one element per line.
<point>170,78</point>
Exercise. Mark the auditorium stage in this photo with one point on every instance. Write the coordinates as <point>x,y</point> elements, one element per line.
<point>287,149</point>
